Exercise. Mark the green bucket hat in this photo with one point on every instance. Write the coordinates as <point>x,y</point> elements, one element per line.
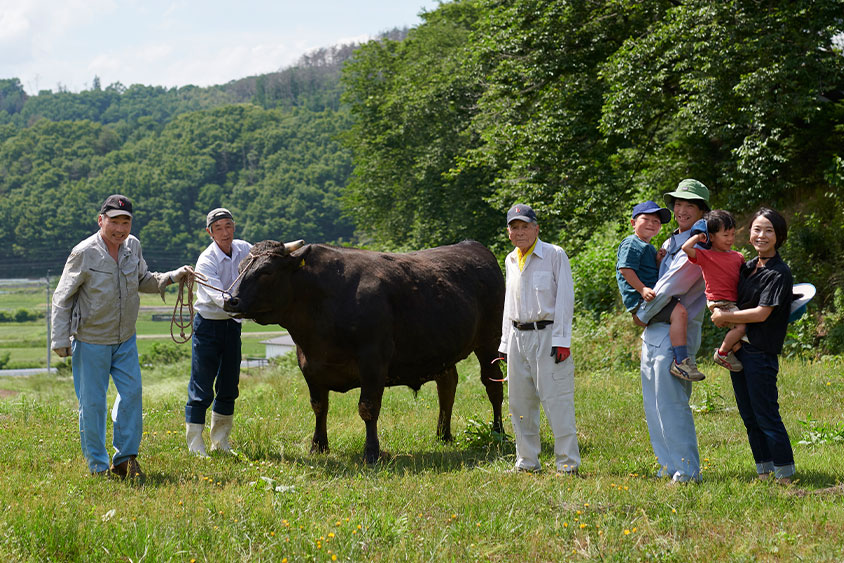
<point>689,189</point>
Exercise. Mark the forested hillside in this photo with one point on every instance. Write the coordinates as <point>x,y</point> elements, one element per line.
<point>266,146</point>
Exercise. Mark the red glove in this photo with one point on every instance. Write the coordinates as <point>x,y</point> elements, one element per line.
<point>560,354</point>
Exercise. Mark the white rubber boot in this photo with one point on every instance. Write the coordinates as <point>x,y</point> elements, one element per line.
<point>193,433</point>
<point>221,427</point>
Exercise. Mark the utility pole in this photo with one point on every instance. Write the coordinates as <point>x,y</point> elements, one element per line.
<point>49,333</point>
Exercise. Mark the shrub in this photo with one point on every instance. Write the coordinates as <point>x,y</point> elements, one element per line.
<point>165,353</point>
<point>593,273</point>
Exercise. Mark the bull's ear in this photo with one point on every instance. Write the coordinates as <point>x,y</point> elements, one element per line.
<point>295,245</point>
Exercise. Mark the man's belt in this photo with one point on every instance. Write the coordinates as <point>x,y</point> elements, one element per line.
<point>538,325</point>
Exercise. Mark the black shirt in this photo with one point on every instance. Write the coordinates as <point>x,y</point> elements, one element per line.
<point>770,286</point>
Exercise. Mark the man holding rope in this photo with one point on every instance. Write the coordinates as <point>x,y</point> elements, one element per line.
<point>215,353</point>
<point>95,308</point>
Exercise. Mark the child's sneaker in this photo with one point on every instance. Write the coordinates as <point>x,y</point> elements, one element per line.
<point>686,370</point>
<point>729,361</point>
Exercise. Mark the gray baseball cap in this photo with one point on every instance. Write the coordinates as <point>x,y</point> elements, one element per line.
<point>216,215</point>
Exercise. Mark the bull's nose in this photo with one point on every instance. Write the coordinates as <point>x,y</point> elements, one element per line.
<point>230,303</point>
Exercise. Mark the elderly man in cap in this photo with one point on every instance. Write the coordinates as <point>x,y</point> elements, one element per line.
<point>666,398</point>
<point>215,362</point>
<point>95,307</point>
<point>535,342</point>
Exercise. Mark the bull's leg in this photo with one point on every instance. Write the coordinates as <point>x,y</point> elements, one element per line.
<point>369,407</point>
<point>319,402</point>
<point>494,389</point>
<point>446,388</point>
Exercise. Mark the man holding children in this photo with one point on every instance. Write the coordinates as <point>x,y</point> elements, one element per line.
<point>666,391</point>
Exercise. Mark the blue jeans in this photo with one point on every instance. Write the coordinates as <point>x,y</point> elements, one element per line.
<point>671,425</point>
<point>92,364</point>
<point>215,368</point>
<point>755,388</point>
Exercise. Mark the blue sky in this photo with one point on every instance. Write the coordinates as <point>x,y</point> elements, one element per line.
<point>52,43</point>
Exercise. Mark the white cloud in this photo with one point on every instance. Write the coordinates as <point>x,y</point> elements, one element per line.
<point>45,43</point>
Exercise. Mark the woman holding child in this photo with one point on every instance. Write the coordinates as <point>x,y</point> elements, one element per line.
<point>764,299</point>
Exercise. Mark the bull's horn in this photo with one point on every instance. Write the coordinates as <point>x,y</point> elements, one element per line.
<point>295,245</point>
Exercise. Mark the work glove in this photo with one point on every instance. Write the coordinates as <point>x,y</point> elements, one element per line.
<point>63,352</point>
<point>173,276</point>
<point>700,228</point>
<point>560,354</point>
<point>177,275</point>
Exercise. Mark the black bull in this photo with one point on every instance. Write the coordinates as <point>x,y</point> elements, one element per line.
<point>374,320</point>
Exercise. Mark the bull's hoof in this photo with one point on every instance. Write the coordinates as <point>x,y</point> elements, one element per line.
<point>447,437</point>
<point>317,448</point>
<point>498,427</point>
<point>374,459</point>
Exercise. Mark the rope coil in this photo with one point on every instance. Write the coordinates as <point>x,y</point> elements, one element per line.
<point>187,283</point>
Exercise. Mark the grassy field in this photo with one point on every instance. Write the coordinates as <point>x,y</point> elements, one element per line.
<point>26,343</point>
<point>426,501</point>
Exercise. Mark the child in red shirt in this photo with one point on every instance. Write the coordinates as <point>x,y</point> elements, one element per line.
<point>720,265</point>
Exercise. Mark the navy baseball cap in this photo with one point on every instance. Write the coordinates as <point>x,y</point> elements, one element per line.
<point>521,212</point>
<point>651,207</point>
<point>115,205</point>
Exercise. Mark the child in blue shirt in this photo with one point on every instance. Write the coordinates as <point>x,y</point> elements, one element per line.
<point>637,271</point>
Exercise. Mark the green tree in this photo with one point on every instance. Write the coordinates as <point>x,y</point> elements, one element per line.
<point>740,94</point>
<point>412,102</point>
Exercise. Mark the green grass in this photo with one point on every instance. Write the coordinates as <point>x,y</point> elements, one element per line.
<point>426,501</point>
<point>26,343</point>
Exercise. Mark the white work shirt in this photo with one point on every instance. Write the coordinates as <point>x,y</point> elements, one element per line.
<point>221,271</point>
<point>543,291</point>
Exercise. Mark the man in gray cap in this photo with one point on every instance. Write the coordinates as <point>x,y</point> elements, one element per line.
<point>536,342</point>
<point>215,352</point>
<point>666,394</point>
<point>95,308</point>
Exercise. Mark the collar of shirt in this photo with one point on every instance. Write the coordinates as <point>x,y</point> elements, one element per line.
<point>219,255</point>
<point>523,257</point>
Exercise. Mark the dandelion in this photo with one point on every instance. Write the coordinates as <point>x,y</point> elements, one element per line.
<point>272,534</point>
<point>634,530</point>
<point>338,523</point>
<point>579,513</point>
<point>565,524</point>
<point>674,511</point>
<point>582,526</point>
<point>626,532</point>
<point>359,527</point>
<point>334,558</point>
<point>330,534</point>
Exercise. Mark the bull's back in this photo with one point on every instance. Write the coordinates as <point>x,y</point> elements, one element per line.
<point>445,302</point>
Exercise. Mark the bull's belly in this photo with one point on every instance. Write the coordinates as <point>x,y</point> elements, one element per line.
<point>342,378</point>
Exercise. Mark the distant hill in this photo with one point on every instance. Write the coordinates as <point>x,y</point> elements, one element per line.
<point>266,146</point>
